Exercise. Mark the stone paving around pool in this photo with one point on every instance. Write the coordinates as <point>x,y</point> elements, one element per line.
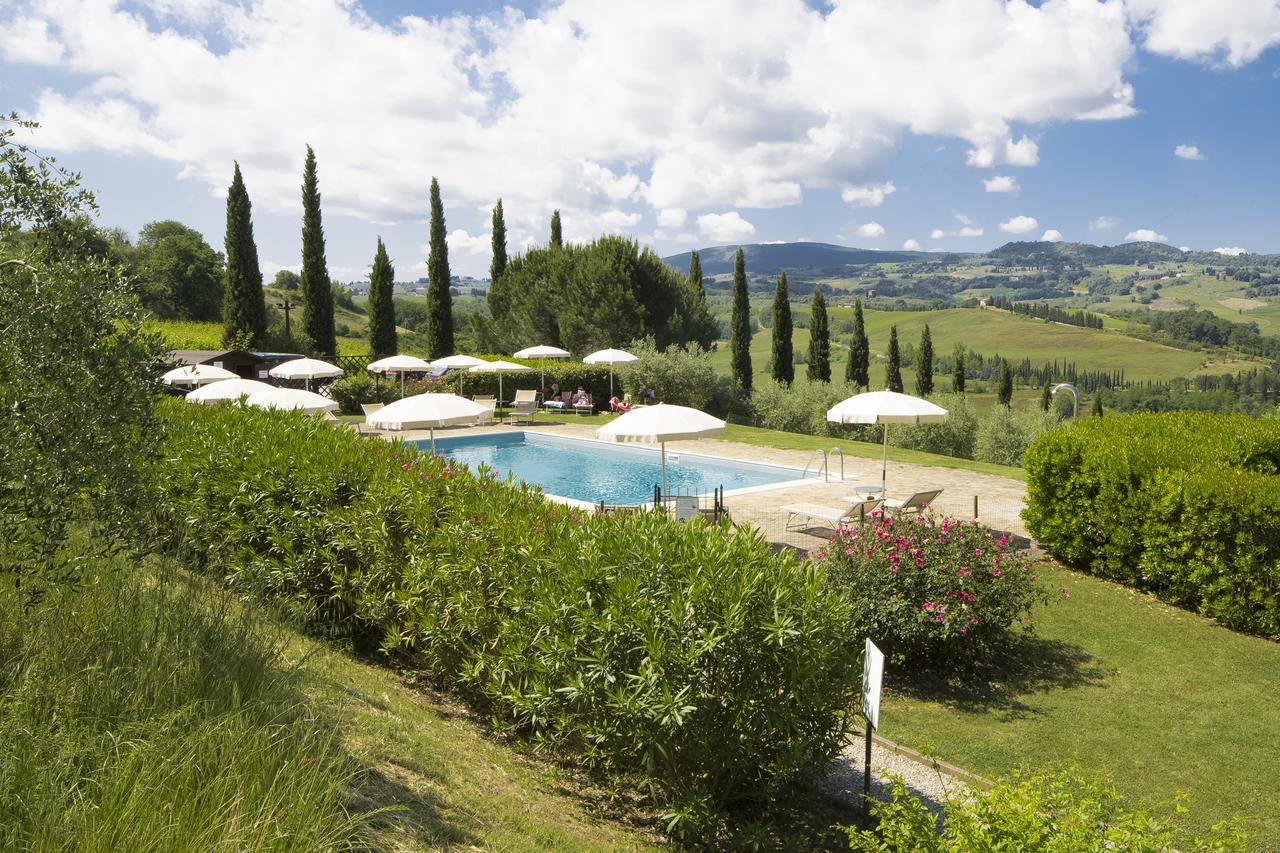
<point>1000,499</point>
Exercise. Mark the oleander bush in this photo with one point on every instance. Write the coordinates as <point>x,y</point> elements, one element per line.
<point>931,592</point>
<point>686,659</point>
<point>1183,505</point>
<point>1052,810</point>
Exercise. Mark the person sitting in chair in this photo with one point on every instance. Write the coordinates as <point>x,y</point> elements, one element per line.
<point>581,397</point>
<point>552,398</point>
<point>616,405</point>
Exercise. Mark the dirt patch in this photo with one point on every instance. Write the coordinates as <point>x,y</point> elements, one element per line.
<point>1235,303</point>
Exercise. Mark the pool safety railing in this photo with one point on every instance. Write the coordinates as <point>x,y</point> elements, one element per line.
<point>824,465</point>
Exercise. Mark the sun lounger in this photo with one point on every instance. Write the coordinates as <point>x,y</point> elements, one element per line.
<point>586,408</point>
<point>486,417</point>
<point>915,504</point>
<point>523,407</point>
<point>334,419</point>
<point>370,408</point>
<point>798,515</point>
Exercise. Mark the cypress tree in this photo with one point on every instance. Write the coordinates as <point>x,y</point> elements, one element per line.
<point>859,365</point>
<point>695,269</point>
<point>382,312</point>
<point>1046,397</point>
<point>701,328</point>
<point>317,291</point>
<point>439,301</point>
<point>957,376</point>
<point>819,340</point>
<point>784,371</point>
<point>244,307</point>
<point>924,365</point>
<point>557,236</point>
<point>498,242</point>
<point>740,327</point>
<point>893,373</point>
<point>1004,394</point>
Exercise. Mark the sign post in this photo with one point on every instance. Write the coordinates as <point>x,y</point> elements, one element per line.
<point>872,676</point>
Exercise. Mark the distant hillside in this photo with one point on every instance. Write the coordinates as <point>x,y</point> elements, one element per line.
<point>770,258</point>
<point>1086,254</point>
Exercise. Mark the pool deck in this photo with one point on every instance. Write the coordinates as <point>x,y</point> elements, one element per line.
<point>999,499</point>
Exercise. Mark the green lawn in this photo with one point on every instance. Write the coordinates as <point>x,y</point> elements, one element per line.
<point>1158,697</point>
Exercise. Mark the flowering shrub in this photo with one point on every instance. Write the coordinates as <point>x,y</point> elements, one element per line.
<point>928,591</point>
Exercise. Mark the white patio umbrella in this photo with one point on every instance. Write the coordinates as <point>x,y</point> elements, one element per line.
<point>610,357</point>
<point>499,367</point>
<point>308,402</point>
<point>429,411</point>
<point>307,369</point>
<point>885,407</point>
<point>660,424</point>
<point>401,364</point>
<point>226,389</point>
<point>196,374</point>
<point>458,362</point>
<point>542,352</point>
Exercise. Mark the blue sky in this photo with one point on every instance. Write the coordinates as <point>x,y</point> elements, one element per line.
<point>856,122</point>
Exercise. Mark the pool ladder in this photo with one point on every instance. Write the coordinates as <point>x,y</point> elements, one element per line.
<point>825,464</point>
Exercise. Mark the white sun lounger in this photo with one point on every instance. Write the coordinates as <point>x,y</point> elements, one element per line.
<point>836,516</point>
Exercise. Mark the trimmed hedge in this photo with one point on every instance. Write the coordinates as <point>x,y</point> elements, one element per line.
<point>683,657</point>
<point>1184,505</point>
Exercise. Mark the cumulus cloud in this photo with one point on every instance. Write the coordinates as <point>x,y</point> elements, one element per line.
<point>870,229</point>
<point>871,195</point>
<point>672,217</point>
<point>1228,32</point>
<point>1103,223</point>
<point>1231,251</point>
<point>1052,235</point>
<point>473,244</point>
<point>937,234</point>
<point>911,245</point>
<point>1019,225</point>
<point>1188,152</point>
<point>725,227</point>
<point>1000,184</point>
<point>1145,235</point>
<point>969,231</point>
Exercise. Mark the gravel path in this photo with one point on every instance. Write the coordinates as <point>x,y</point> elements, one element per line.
<point>931,785</point>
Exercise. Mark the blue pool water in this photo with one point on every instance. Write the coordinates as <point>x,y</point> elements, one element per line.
<point>593,471</point>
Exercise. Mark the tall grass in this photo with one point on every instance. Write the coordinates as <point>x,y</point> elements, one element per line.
<point>144,712</point>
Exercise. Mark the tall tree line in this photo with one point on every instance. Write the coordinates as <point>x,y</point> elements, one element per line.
<point>859,364</point>
<point>819,340</point>
<point>740,327</point>
<point>244,304</point>
<point>784,369</point>
<point>382,312</point>
<point>439,299</point>
<point>317,290</point>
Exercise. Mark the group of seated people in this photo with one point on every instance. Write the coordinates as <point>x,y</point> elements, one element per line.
<point>553,398</point>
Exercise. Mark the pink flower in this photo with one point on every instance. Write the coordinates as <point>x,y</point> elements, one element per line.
<point>977,552</point>
<point>937,617</point>
<point>848,552</point>
<point>928,605</point>
<point>997,572</point>
<point>964,629</point>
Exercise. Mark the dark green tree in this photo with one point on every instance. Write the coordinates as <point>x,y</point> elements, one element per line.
<point>1097,406</point>
<point>740,327</point>
<point>498,241</point>
<point>244,307</point>
<point>180,274</point>
<point>857,371</point>
<point>1046,397</point>
<point>557,235</point>
<point>924,364</point>
<point>700,327</point>
<point>957,375</point>
<point>317,290</point>
<point>382,311</point>
<point>286,280</point>
<point>784,369</point>
<point>1004,393</point>
<point>819,340</point>
<point>893,372</point>
<point>439,300</point>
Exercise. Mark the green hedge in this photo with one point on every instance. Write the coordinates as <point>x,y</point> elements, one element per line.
<point>1181,504</point>
<point>683,657</point>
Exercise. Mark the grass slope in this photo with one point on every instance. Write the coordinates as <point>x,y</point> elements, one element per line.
<point>1163,699</point>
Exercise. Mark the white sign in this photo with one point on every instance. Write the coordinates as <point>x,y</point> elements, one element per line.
<point>264,374</point>
<point>872,676</point>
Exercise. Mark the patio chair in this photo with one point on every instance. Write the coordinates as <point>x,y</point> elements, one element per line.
<point>913,505</point>
<point>334,419</point>
<point>487,416</point>
<point>856,512</point>
<point>523,407</point>
<point>370,408</point>
<point>586,408</point>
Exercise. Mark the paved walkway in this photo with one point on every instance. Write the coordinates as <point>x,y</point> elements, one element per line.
<point>999,500</point>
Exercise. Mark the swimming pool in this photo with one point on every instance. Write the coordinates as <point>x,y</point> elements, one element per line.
<point>595,471</point>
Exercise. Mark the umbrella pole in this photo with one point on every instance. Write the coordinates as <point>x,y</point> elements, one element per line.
<point>433,440</point>
<point>884,468</point>
<point>611,380</point>
<point>402,383</point>
<point>664,470</point>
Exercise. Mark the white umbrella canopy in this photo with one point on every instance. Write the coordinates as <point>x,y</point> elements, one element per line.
<point>885,407</point>
<point>306,368</point>
<point>291,398</point>
<point>401,364</point>
<point>226,389</point>
<point>499,367</point>
<point>196,374</point>
<point>660,424</point>
<point>543,352</point>
<point>457,362</point>
<point>610,357</point>
<point>427,410</point>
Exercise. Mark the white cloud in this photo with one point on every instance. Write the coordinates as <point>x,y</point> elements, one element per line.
<point>870,229</point>
<point>460,241</point>
<point>1052,235</point>
<point>1231,251</point>
<point>1024,152</point>
<point>1103,223</point>
<point>725,227</point>
<point>871,195</point>
<point>1145,235</point>
<point>1019,225</point>
<point>1228,32</point>
<point>28,40</point>
<point>1184,248</point>
<point>969,231</point>
<point>672,217</point>
<point>937,234</point>
<point>1188,152</point>
<point>1000,184</point>
<point>911,245</point>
